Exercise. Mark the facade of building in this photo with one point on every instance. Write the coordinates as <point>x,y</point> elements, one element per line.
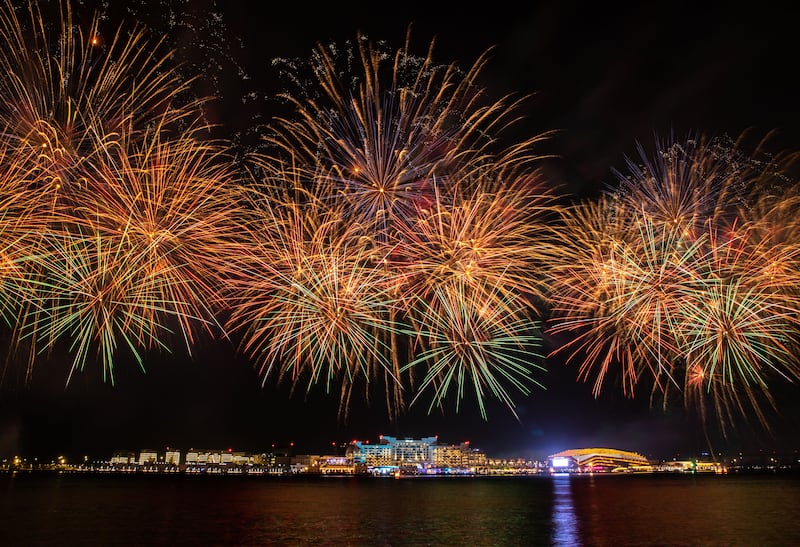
<point>393,452</point>
<point>123,457</point>
<point>445,456</point>
<point>148,456</point>
<point>415,456</point>
<point>597,460</point>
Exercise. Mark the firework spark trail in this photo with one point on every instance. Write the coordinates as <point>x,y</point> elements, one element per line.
<point>170,207</point>
<point>583,288</point>
<point>381,132</point>
<point>182,211</point>
<point>495,233</point>
<point>739,338</point>
<point>17,246</point>
<point>406,151</point>
<point>313,305</point>
<point>486,345</point>
<point>96,296</point>
<point>694,290</point>
<point>64,87</point>
<point>688,184</point>
<point>89,122</point>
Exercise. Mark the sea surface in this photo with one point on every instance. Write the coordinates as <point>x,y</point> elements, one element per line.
<point>613,510</point>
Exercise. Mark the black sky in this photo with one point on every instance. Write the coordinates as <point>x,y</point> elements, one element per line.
<point>605,75</point>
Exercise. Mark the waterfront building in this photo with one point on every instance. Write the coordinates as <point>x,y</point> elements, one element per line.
<point>452,455</point>
<point>203,457</point>
<point>597,460</point>
<point>691,466</point>
<point>148,456</point>
<point>242,458</point>
<point>339,465</point>
<point>476,459</point>
<point>390,453</point>
<point>123,457</point>
<point>459,457</point>
<point>412,452</point>
<point>372,455</point>
<point>172,457</point>
<point>393,452</point>
<point>264,459</point>
<point>512,466</point>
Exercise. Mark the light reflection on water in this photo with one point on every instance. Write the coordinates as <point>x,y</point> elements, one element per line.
<point>493,511</point>
<point>565,521</point>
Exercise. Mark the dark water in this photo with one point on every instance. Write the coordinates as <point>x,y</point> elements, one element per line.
<point>50,509</point>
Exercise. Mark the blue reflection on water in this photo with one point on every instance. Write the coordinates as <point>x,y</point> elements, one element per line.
<point>565,521</point>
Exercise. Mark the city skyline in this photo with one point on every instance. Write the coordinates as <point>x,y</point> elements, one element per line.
<point>602,77</point>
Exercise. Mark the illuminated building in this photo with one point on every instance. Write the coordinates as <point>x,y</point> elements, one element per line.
<point>393,452</point>
<point>692,466</point>
<point>459,458</point>
<point>592,460</point>
<point>242,458</point>
<point>148,456</point>
<point>203,457</point>
<point>450,455</point>
<point>338,465</point>
<point>123,457</point>
<point>512,466</point>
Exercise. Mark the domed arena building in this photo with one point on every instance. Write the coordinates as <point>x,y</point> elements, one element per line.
<point>597,460</point>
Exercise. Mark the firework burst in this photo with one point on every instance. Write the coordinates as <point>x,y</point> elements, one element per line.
<point>66,88</point>
<point>312,304</point>
<point>176,203</point>
<point>383,129</point>
<point>680,284</point>
<point>494,235</point>
<point>400,155</point>
<point>95,296</point>
<point>484,345</point>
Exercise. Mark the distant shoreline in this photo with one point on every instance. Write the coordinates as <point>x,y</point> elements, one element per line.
<point>228,473</point>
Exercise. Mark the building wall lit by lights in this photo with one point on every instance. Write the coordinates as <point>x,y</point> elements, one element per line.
<point>597,460</point>
<point>123,457</point>
<point>391,451</point>
<point>450,456</point>
<point>424,455</point>
<point>373,455</point>
<point>148,456</point>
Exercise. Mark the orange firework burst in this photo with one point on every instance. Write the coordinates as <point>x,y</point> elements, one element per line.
<point>381,131</point>
<point>685,184</point>
<point>89,123</point>
<point>176,202</point>
<point>17,237</point>
<point>142,253</point>
<point>64,94</point>
<point>396,161</point>
<point>680,287</point>
<point>312,304</point>
<point>494,234</point>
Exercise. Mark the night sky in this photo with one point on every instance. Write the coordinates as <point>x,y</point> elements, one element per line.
<point>604,75</point>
